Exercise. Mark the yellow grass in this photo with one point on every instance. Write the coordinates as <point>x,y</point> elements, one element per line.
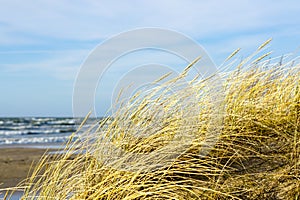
<point>184,140</point>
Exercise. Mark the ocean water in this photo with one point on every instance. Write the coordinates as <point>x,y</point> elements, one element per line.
<point>39,130</point>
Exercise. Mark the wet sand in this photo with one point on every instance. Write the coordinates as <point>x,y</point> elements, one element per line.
<point>15,163</point>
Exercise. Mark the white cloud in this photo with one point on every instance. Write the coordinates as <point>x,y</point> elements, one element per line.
<point>62,65</point>
<point>222,26</point>
<point>247,23</point>
<point>85,20</point>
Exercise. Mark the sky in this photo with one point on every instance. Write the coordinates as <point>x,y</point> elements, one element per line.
<point>43,44</point>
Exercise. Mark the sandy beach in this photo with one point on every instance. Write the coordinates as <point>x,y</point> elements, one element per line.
<point>15,163</point>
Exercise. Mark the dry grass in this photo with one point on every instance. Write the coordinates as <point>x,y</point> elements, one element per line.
<point>206,139</point>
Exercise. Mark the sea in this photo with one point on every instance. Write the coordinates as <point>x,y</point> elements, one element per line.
<point>40,130</point>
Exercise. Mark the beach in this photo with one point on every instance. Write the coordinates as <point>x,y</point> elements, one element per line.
<point>15,163</point>
<point>23,140</point>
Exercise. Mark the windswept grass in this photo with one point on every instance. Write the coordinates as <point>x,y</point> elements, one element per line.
<point>231,136</point>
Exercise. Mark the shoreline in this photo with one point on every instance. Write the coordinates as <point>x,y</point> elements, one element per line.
<point>33,146</point>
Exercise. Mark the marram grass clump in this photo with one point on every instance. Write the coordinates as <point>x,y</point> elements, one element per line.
<point>234,135</point>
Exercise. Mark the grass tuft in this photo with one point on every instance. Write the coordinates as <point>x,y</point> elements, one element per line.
<point>203,139</point>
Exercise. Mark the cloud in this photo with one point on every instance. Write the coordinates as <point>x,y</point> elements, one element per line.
<point>86,20</point>
<point>226,24</point>
<point>50,22</point>
<point>53,37</point>
<point>62,65</point>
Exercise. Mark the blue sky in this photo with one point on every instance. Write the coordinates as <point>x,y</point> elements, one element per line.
<point>43,44</point>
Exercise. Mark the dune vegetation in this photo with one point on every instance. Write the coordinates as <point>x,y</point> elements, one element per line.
<point>233,135</point>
